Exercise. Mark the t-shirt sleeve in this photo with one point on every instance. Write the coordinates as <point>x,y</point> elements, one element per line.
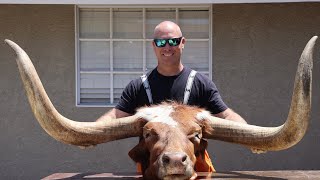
<point>127,102</point>
<point>212,101</point>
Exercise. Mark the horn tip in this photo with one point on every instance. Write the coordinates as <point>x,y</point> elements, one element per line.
<point>7,41</point>
<point>10,43</point>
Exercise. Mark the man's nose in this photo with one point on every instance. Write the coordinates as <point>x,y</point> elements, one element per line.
<point>167,46</point>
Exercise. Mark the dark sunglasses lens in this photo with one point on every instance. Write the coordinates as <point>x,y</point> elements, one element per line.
<point>160,42</point>
<point>174,41</point>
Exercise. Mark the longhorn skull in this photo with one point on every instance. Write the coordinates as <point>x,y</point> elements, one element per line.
<point>171,134</point>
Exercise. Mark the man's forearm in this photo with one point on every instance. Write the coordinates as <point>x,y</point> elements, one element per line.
<point>113,114</point>
<point>229,114</point>
<point>235,117</point>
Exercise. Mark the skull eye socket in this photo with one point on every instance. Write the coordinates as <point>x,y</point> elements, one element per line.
<point>149,133</point>
<point>198,135</point>
<point>146,135</point>
<point>195,137</point>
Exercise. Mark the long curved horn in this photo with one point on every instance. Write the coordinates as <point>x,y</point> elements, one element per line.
<point>61,128</point>
<point>274,138</point>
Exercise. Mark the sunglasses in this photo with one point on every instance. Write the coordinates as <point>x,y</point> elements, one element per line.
<point>171,42</point>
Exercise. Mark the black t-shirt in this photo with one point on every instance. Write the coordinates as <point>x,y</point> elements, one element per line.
<point>204,92</point>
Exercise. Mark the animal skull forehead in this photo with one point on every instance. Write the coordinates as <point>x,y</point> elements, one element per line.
<point>163,114</point>
<point>159,113</point>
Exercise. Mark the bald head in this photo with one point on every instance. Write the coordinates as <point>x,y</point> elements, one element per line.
<point>167,29</point>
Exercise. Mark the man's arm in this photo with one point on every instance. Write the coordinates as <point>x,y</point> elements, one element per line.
<point>113,114</point>
<point>229,114</point>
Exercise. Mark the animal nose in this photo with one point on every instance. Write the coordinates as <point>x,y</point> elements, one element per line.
<point>174,158</point>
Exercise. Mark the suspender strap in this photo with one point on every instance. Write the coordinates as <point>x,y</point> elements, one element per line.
<point>146,86</point>
<point>187,91</point>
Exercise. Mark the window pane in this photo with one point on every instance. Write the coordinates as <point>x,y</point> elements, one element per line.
<point>207,74</point>
<point>120,82</point>
<point>194,23</point>
<point>94,56</point>
<point>94,23</point>
<point>95,89</point>
<point>151,59</point>
<point>155,16</point>
<point>127,56</point>
<point>196,55</point>
<point>127,23</point>
<point>94,96</point>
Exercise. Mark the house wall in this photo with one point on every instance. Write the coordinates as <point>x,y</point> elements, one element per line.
<point>255,53</point>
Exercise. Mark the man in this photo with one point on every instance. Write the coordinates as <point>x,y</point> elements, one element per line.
<point>168,82</point>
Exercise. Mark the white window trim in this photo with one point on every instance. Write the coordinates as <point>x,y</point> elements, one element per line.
<point>144,40</point>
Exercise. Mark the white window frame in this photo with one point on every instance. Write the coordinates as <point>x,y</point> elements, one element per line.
<point>144,40</point>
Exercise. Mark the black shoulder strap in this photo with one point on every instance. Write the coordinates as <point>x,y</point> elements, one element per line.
<point>145,82</point>
<point>187,90</point>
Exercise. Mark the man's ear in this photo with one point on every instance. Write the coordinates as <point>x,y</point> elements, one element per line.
<point>153,44</point>
<point>183,41</point>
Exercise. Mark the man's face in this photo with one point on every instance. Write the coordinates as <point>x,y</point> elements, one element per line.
<point>168,55</point>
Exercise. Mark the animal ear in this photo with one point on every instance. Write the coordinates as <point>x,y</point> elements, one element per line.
<point>139,153</point>
<point>202,147</point>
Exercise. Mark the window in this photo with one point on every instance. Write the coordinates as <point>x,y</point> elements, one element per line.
<point>113,47</point>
